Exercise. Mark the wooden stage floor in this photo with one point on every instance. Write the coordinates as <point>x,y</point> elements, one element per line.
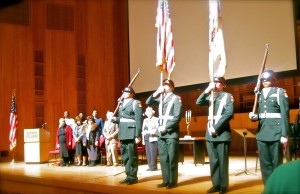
<point>41,178</point>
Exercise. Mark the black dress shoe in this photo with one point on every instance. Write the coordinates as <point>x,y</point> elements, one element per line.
<point>132,182</point>
<point>171,186</point>
<point>213,189</point>
<point>223,190</point>
<point>125,181</point>
<point>162,185</point>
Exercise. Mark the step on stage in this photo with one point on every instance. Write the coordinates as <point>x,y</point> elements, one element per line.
<point>41,178</point>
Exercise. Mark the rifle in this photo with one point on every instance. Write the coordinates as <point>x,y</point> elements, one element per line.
<point>120,100</point>
<point>256,89</point>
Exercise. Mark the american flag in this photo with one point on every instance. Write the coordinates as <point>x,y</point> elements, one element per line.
<point>165,59</point>
<point>217,56</point>
<point>13,124</point>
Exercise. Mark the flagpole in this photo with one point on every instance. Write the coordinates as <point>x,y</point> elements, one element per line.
<point>211,65</point>
<point>13,158</point>
<point>161,100</point>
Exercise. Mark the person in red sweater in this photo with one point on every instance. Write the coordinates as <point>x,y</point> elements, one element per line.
<point>64,141</point>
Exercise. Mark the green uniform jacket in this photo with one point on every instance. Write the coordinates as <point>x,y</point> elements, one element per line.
<point>272,129</point>
<point>222,126</point>
<point>130,130</point>
<point>172,125</point>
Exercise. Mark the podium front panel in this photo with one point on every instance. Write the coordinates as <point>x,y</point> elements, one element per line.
<point>32,152</point>
<point>36,145</point>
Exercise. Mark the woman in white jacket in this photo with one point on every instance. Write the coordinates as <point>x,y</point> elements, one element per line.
<point>150,126</point>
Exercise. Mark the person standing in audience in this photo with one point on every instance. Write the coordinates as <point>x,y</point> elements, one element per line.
<point>110,132</point>
<point>100,124</point>
<point>273,127</point>
<point>168,141</point>
<point>82,116</point>
<point>64,141</point>
<point>80,150</point>
<point>149,130</point>
<point>91,140</point>
<point>130,126</point>
<point>69,121</point>
<point>218,133</point>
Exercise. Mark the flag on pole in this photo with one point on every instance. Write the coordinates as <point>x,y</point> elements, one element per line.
<point>217,56</point>
<point>165,59</point>
<point>13,124</point>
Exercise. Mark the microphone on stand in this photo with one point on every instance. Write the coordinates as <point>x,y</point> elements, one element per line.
<point>43,125</point>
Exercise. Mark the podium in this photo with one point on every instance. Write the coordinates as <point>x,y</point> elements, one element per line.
<point>245,134</point>
<point>36,145</point>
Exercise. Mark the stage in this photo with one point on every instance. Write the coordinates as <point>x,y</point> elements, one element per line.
<point>40,178</point>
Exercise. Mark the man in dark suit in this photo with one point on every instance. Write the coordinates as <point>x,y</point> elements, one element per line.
<point>218,133</point>
<point>168,141</point>
<point>273,128</point>
<point>130,127</point>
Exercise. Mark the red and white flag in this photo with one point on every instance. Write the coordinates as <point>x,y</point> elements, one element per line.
<point>165,59</point>
<point>13,124</point>
<point>217,56</point>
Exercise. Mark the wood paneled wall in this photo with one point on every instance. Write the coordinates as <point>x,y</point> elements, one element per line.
<point>70,55</point>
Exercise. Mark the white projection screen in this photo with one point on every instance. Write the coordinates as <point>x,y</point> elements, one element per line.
<point>247,25</point>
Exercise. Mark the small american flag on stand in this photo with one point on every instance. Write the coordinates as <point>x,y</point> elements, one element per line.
<point>13,124</point>
<point>165,59</point>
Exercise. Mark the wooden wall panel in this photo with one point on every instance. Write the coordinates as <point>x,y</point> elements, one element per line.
<point>88,30</point>
<point>60,77</point>
<point>16,73</point>
<point>105,50</point>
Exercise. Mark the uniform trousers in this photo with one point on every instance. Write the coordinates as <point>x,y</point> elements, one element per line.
<point>270,156</point>
<point>151,153</point>
<point>168,149</point>
<point>111,152</point>
<point>218,153</point>
<point>130,159</point>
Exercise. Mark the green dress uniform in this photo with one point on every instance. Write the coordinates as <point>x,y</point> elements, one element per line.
<point>285,179</point>
<point>273,124</point>
<point>168,143</point>
<point>130,127</point>
<point>218,145</point>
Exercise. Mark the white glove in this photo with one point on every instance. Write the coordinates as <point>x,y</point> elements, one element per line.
<point>159,90</point>
<point>210,87</point>
<point>283,140</point>
<point>162,129</point>
<point>113,119</point>
<point>253,117</point>
<point>211,131</point>
<point>137,140</point>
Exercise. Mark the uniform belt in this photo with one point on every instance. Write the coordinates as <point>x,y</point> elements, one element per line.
<point>123,120</point>
<point>269,115</point>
